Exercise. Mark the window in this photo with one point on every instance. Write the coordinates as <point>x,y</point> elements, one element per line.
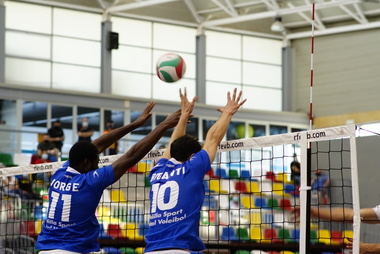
<point>132,59</point>
<point>262,75</point>
<point>223,70</point>
<point>174,38</point>
<point>28,17</point>
<point>277,129</point>
<point>27,45</point>
<point>65,115</point>
<point>262,98</point>
<point>217,44</point>
<point>133,32</point>
<point>236,130</point>
<point>76,78</point>
<point>262,50</point>
<point>143,130</point>
<point>92,115</point>
<point>217,92</point>
<point>206,126</point>
<point>169,91</point>
<point>131,84</point>
<point>256,130</point>
<point>34,73</point>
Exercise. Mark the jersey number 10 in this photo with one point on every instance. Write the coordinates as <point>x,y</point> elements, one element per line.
<point>158,196</point>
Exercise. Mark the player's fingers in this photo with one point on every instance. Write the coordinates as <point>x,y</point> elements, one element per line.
<point>180,93</point>
<point>241,103</point>
<point>234,94</point>
<point>239,96</point>
<point>228,96</point>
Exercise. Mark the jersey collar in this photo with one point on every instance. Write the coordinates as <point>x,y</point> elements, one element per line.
<point>71,170</point>
<point>174,161</point>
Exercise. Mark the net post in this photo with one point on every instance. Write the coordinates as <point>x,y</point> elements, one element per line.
<point>355,190</point>
<point>308,198</point>
<point>304,226</point>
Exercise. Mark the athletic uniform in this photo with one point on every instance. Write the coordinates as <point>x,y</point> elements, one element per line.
<point>71,223</point>
<point>176,198</point>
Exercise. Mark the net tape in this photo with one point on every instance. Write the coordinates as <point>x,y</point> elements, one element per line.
<point>240,144</point>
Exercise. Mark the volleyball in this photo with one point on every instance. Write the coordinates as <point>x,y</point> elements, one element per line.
<point>170,67</point>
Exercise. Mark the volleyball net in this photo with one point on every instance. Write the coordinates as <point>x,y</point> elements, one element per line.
<point>250,203</point>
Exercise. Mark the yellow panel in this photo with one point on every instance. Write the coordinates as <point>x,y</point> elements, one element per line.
<point>256,218</point>
<point>118,196</point>
<point>254,187</point>
<point>38,226</point>
<point>247,202</point>
<point>214,185</point>
<point>255,233</point>
<point>139,250</point>
<point>324,236</point>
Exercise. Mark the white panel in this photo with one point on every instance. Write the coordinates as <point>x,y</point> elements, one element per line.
<point>262,98</point>
<point>217,43</point>
<point>28,45</point>
<point>131,84</point>
<point>28,17</point>
<point>216,93</point>
<point>76,51</point>
<point>77,24</point>
<point>133,32</point>
<point>262,50</point>
<point>189,60</point>
<point>169,91</point>
<point>132,59</point>
<point>77,78</point>
<point>262,75</point>
<point>175,38</point>
<point>223,70</point>
<point>28,72</point>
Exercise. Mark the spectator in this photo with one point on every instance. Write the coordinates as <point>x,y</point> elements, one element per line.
<point>56,135</point>
<point>320,185</point>
<point>85,131</point>
<point>112,149</point>
<point>46,144</point>
<point>295,167</point>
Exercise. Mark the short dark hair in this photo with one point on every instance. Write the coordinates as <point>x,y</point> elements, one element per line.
<point>182,148</point>
<point>295,164</point>
<point>81,151</point>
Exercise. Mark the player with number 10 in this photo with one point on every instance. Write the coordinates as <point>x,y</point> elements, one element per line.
<point>177,191</point>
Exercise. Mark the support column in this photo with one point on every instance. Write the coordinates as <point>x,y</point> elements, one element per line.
<point>200,71</point>
<point>2,42</point>
<point>287,80</point>
<point>106,59</point>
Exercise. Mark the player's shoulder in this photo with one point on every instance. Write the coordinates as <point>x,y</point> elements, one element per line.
<point>201,155</point>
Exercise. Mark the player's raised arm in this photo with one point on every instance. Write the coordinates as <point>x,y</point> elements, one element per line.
<point>140,149</point>
<point>216,133</point>
<point>180,130</point>
<point>368,215</point>
<point>108,139</point>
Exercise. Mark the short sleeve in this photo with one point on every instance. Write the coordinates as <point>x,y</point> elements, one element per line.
<point>376,209</point>
<point>101,177</point>
<point>200,161</point>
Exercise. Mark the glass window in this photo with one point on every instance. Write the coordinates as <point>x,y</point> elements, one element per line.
<point>262,98</point>
<point>223,70</point>
<point>34,73</point>
<point>217,43</point>
<point>8,122</point>
<point>114,116</point>
<point>277,129</point>
<point>262,75</point>
<point>132,59</point>
<point>176,38</point>
<point>143,130</point>
<point>28,17</point>
<point>256,130</point>
<point>169,91</point>
<point>131,84</point>
<point>159,119</point>
<point>92,117</point>
<point>216,93</point>
<point>188,58</point>
<point>77,78</point>
<point>34,122</point>
<point>65,115</point>
<point>193,127</point>
<point>236,130</point>
<point>76,24</point>
<point>133,32</point>
<point>262,50</point>
<point>206,126</point>
<point>76,51</point>
<point>298,129</point>
<point>27,45</point>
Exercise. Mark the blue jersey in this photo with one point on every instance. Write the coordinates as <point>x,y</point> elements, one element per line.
<point>71,223</point>
<point>176,198</point>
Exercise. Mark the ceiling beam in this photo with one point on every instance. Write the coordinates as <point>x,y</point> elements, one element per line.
<point>193,11</point>
<point>136,5</point>
<point>360,12</point>
<point>280,12</point>
<point>102,4</point>
<point>238,5</point>
<point>352,14</point>
<point>231,7</point>
<point>225,8</point>
<point>335,30</point>
<point>307,18</point>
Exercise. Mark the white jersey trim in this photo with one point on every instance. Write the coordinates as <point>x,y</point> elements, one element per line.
<point>71,170</point>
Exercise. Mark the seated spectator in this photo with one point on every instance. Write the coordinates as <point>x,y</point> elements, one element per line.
<point>85,132</point>
<point>320,184</point>
<point>295,167</point>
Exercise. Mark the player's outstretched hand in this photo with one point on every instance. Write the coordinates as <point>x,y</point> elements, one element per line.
<point>186,106</point>
<point>364,247</point>
<point>172,119</point>
<point>146,114</point>
<point>233,103</point>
